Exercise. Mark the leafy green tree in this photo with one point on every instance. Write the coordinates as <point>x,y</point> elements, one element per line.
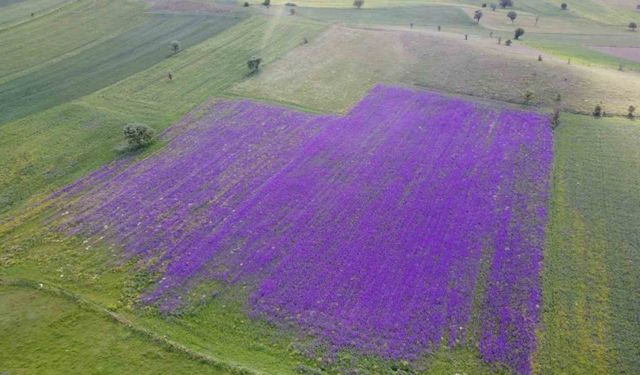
<point>358,3</point>
<point>512,15</point>
<point>138,135</point>
<point>519,32</point>
<point>506,3</point>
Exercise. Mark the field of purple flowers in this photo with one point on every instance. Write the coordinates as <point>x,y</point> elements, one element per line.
<point>415,221</point>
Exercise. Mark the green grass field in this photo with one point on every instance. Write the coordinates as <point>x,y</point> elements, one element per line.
<point>73,74</point>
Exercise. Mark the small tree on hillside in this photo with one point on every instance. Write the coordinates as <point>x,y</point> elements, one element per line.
<point>138,135</point>
<point>493,6</point>
<point>512,15</point>
<point>477,16</point>
<point>246,4</point>
<point>508,43</point>
<point>598,111</point>
<point>632,110</point>
<point>506,3</point>
<point>175,46</point>
<point>266,3</point>
<point>633,26</point>
<point>564,6</point>
<point>519,32</point>
<point>358,3</point>
<point>555,118</point>
<point>254,64</point>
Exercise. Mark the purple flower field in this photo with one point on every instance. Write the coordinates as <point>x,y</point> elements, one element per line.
<point>415,221</point>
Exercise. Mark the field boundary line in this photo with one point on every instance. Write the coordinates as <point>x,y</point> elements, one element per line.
<point>154,337</point>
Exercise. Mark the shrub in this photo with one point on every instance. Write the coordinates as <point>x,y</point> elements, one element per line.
<point>512,15</point>
<point>555,118</point>
<point>508,43</point>
<point>477,16</point>
<point>494,6</point>
<point>175,46</point>
<point>528,96</point>
<point>292,11</point>
<point>506,3</point>
<point>254,64</point>
<point>138,135</point>
<point>633,26</point>
<point>519,32</point>
<point>598,111</point>
<point>563,6</point>
<point>358,3</point>
<point>246,4</point>
<point>632,110</point>
<point>266,3</point>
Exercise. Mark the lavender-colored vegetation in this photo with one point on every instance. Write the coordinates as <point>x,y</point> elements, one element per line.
<point>415,221</point>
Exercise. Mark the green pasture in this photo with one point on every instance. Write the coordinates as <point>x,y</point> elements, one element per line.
<point>590,323</point>
<point>46,334</point>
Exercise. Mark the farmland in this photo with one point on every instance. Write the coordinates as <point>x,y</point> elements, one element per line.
<point>386,194</point>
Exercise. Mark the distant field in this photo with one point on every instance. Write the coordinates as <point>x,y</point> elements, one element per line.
<point>63,33</point>
<point>13,12</point>
<point>106,62</point>
<point>478,67</point>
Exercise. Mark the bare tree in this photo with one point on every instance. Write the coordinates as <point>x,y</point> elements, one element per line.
<point>477,16</point>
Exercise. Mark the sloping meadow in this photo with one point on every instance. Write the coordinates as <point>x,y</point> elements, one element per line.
<point>416,221</point>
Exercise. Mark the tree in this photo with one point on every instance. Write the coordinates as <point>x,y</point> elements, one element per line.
<point>519,32</point>
<point>512,15</point>
<point>506,3</point>
<point>564,6</point>
<point>633,26</point>
<point>254,64</point>
<point>555,118</point>
<point>632,110</point>
<point>508,43</point>
<point>598,111</point>
<point>266,3</point>
<point>477,15</point>
<point>358,3</point>
<point>138,135</point>
<point>493,6</point>
<point>175,46</point>
<point>528,96</point>
<point>246,4</point>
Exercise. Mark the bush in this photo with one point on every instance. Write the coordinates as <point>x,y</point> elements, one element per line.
<point>246,4</point>
<point>506,3</point>
<point>175,46</point>
<point>512,15</point>
<point>266,3</point>
<point>519,32</point>
<point>555,118</point>
<point>632,110</point>
<point>508,43</point>
<point>598,111</point>
<point>358,3</point>
<point>138,135</point>
<point>477,16</point>
<point>493,6</point>
<point>254,64</point>
<point>563,6</point>
<point>633,26</point>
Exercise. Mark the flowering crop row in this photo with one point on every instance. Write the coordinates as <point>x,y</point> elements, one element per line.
<point>370,230</point>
